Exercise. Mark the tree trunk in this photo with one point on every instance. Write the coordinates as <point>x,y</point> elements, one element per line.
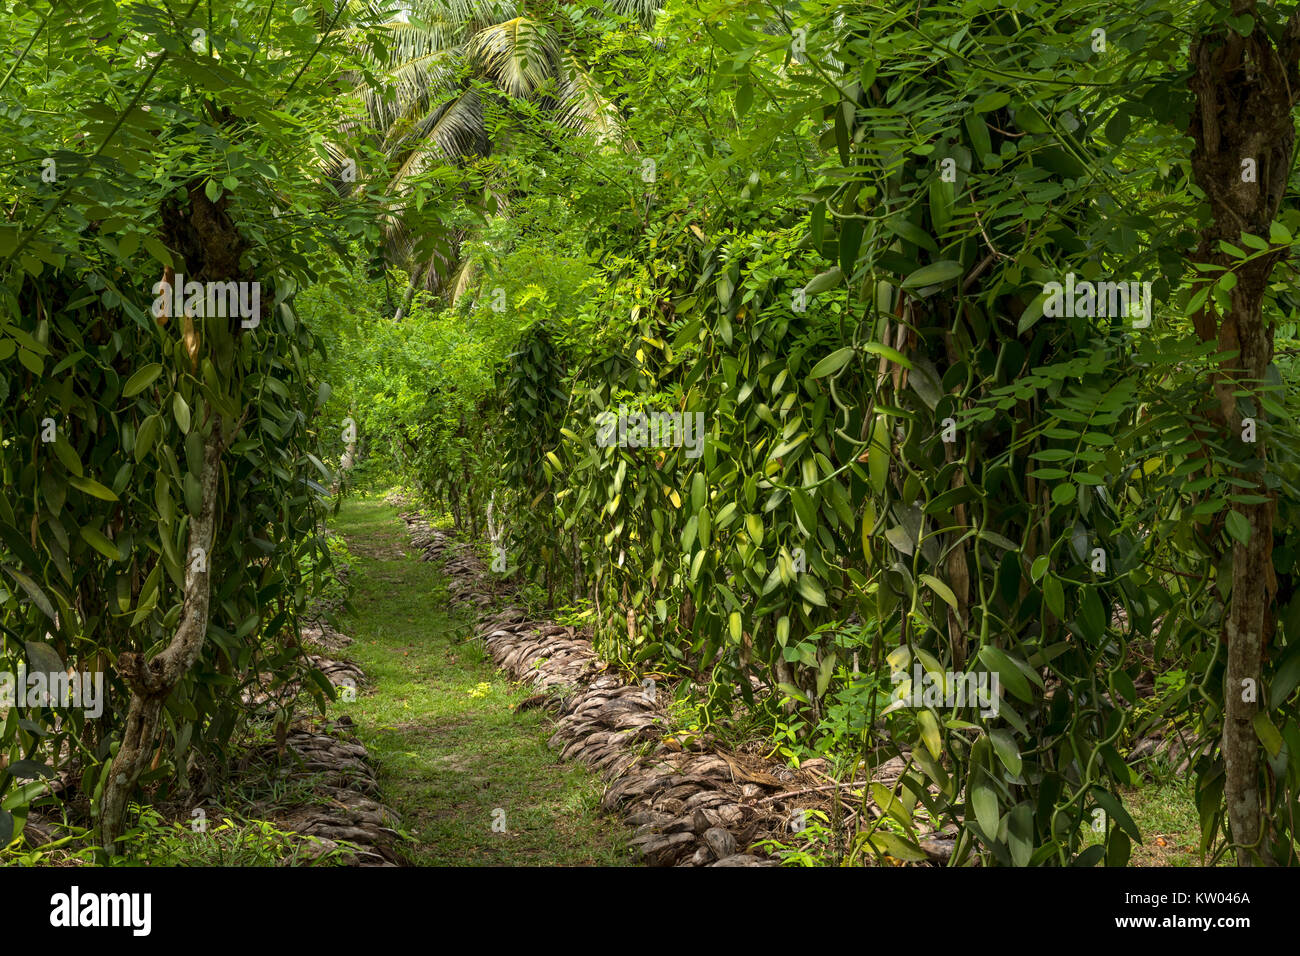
<point>1243,88</point>
<point>152,681</point>
<point>408,297</point>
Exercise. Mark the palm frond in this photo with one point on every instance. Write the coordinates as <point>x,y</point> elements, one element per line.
<point>520,55</point>
<point>475,14</point>
<point>456,126</point>
<point>413,88</point>
<point>454,129</point>
<point>462,280</point>
<point>643,11</point>
<point>408,41</point>
<point>583,106</point>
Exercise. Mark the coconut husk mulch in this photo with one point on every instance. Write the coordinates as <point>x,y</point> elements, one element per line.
<point>325,760</point>
<point>337,801</point>
<point>690,805</point>
<point>345,804</point>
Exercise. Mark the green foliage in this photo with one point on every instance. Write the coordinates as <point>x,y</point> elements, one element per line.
<point>842,260</point>
<point>207,164</point>
<point>826,233</point>
<point>329,580</point>
<point>813,844</point>
<point>153,841</point>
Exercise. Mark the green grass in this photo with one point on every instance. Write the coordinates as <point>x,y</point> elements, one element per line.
<point>437,717</point>
<point>1165,813</point>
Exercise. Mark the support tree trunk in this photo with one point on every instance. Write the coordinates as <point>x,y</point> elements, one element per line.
<point>206,239</point>
<point>409,296</point>
<point>1245,89</point>
<point>151,681</point>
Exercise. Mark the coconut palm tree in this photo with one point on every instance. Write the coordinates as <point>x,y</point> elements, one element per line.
<point>434,57</point>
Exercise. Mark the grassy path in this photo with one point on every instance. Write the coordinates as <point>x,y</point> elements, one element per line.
<point>437,716</point>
